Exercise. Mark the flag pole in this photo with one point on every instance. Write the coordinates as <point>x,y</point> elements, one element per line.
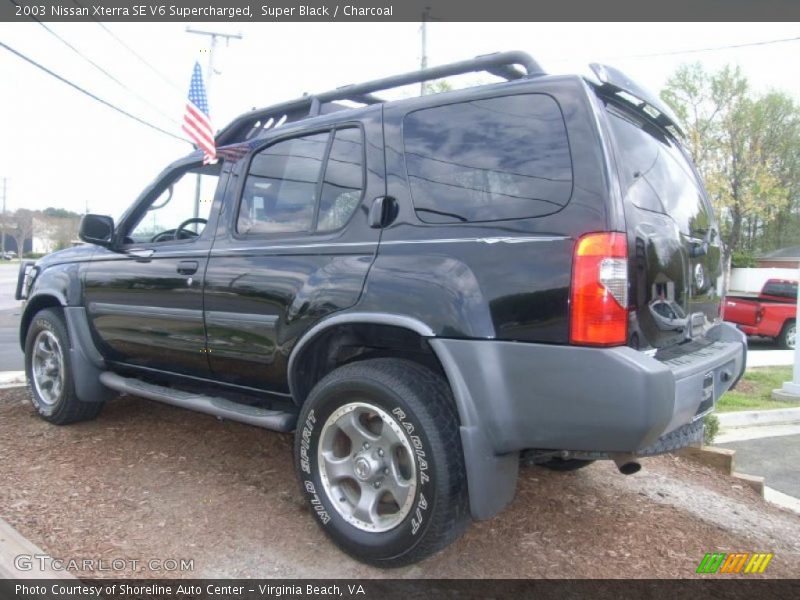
<point>213,35</point>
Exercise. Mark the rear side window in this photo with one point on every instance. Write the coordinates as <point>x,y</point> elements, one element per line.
<point>290,188</point>
<point>656,175</point>
<point>344,180</point>
<point>280,191</point>
<point>488,160</point>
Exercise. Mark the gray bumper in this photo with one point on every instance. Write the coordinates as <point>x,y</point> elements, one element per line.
<point>514,396</point>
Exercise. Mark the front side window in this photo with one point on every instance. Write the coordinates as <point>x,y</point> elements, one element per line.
<point>488,160</point>
<point>290,188</point>
<point>181,210</point>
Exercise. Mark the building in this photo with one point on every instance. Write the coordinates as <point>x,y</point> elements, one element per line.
<point>784,258</point>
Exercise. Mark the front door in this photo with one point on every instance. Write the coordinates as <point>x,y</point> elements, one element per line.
<point>145,298</point>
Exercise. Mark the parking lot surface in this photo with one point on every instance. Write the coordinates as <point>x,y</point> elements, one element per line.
<point>147,481</point>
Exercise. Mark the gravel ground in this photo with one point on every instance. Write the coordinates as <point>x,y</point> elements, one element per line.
<point>148,481</point>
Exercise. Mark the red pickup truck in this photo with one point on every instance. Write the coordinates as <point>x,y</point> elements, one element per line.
<point>771,314</point>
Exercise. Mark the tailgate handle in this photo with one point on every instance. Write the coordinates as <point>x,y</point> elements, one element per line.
<point>187,267</point>
<point>698,249</point>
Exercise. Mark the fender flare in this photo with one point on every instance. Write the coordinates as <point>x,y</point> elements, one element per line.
<point>86,361</point>
<point>376,318</point>
<point>491,479</point>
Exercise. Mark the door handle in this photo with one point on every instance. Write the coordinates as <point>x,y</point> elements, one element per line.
<point>187,267</point>
<point>382,212</point>
<point>142,254</point>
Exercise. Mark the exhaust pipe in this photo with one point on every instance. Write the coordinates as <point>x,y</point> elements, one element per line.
<point>627,463</point>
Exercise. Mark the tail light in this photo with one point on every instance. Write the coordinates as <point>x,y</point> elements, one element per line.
<point>599,297</point>
<point>759,314</point>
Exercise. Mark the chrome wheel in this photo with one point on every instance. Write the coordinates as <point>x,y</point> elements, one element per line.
<point>367,467</point>
<point>47,367</point>
<point>790,335</point>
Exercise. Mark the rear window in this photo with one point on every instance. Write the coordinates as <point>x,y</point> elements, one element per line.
<point>656,175</point>
<point>488,160</point>
<point>781,289</point>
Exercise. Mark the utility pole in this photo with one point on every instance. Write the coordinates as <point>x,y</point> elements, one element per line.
<point>214,35</point>
<point>423,62</point>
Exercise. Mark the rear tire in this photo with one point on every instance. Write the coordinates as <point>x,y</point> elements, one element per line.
<point>564,465</point>
<point>49,372</point>
<point>379,457</point>
<point>787,336</point>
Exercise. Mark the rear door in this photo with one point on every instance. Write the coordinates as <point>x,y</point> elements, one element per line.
<point>293,246</point>
<point>674,242</point>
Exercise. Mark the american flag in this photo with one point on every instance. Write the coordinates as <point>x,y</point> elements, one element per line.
<point>196,122</point>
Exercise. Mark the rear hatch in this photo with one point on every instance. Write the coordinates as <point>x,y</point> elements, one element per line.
<point>674,246</point>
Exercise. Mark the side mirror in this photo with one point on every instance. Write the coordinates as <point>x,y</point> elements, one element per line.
<point>97,229</point>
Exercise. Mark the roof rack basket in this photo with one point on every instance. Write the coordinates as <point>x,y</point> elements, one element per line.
<point>501,64</point>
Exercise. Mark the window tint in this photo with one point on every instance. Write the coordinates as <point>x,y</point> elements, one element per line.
<point>280,191</point>
<point>344,180</point>
<point>782,289</point>
<point>189,195</point>
<point>657,176</point>
<point>487,160</point>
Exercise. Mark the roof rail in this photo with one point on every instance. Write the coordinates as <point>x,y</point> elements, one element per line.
<point>501,64</point>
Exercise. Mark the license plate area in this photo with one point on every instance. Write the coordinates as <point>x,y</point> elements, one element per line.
<point>708,400</point>
<point>697,322</point>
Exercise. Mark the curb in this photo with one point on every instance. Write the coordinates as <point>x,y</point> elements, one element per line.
<point>10,379</point>
<point>784,500</point>
<point>719,459</point>
<point>750,418</point>
<point>769,358</point>
<point>724,461</point>
<point>13,544</point>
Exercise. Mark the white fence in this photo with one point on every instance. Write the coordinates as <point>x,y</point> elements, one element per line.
<point>751,280</point>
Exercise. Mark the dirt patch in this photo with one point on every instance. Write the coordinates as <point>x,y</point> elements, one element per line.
<point>747,387</point>
<point>148,481</point>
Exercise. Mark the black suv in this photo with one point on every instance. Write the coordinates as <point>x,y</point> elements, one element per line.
<point>423,290</point>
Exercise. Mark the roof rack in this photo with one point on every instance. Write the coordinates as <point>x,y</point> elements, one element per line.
<point>501,64</point>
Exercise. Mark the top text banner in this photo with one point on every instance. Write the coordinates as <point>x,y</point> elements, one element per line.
<point>399,10</point>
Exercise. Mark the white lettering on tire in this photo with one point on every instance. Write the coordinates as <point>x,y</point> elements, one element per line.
<point>416,442</point>
<point>316,503</point>
<point>305,442</point>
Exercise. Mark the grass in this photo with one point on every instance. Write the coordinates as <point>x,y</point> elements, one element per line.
<point>754,391</point>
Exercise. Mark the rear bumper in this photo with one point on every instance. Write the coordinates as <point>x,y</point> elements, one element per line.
<point>534,396</point>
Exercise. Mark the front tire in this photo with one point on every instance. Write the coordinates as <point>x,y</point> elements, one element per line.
<point>49,372</point>
<point>788,333</point>
<point>379,456</point>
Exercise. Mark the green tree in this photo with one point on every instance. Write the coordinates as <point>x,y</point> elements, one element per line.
<point>744,146</point>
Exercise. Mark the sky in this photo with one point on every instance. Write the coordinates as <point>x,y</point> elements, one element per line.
<point>59,148</point>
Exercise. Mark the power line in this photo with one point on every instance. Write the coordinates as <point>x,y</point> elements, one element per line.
<point>711,49</point>
<point>107,74</point>
<point>101,69</point>
<point>133,52</point>
<point>90,94</point>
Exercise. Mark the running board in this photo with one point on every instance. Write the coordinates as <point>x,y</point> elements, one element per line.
<point>211,405</point>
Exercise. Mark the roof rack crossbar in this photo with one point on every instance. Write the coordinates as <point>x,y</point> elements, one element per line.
<point>501,64</point>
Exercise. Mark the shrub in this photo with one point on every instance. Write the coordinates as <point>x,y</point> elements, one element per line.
<point>711,428</point>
